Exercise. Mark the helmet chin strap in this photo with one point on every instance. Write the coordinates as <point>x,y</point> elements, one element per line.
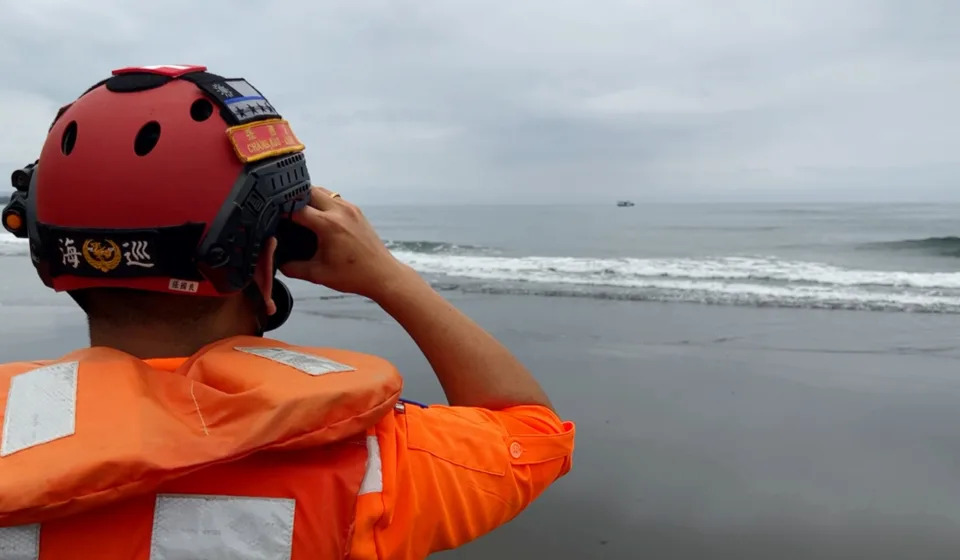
<point>282,298</point>
<point>284,301</point>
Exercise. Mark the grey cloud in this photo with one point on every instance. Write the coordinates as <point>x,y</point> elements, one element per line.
<point>410,101</point>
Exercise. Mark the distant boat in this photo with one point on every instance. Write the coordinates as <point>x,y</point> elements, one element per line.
<point>623,203</point>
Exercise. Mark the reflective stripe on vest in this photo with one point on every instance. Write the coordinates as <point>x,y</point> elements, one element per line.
<point>20,543</point>
<point>373,474</point>
<point>190,526</point>
<point>41,407</point>
<point>212,527</point>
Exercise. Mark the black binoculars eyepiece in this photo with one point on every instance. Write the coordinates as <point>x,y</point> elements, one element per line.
<point>20,179</point>
<point>14,215</point>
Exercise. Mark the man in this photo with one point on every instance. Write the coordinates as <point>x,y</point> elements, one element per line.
<point>163,201</point>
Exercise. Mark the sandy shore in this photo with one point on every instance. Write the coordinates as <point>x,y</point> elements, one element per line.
<point>703,431</point>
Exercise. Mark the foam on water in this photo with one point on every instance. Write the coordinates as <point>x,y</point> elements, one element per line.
<point>640,272</point>
<point>12,246</point>
<point>755,281</point>
<point>733,281</point>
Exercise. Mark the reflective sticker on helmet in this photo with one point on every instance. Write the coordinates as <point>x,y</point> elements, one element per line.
<point>263,139</point>
<point>169,70</point>
<point>243,102</point>
<point>177,285</point>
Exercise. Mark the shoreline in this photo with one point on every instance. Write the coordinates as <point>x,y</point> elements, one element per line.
<point>731,431</point>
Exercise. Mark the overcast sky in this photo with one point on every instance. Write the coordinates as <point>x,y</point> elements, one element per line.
<point>536,100</point>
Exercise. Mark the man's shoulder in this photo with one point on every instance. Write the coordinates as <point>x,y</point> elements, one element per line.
<point>9,369</point>
<point>66,362</point>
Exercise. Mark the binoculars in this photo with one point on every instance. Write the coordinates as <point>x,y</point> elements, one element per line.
<point>14,214</point>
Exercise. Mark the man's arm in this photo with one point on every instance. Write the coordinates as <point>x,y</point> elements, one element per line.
<point>473,368</point>
<point>447,474</point>
<point>453,474</point>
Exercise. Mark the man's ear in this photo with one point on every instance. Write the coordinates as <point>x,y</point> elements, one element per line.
<point>263,275</point>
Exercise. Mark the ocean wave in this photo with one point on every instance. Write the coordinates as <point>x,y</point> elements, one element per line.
<point>731,281</point>
<point>745,298</point>
<point>948,246</point>
<point>725,229</point>
<point>435,247</point>
<point>749,281</point>
<point>635,272</point>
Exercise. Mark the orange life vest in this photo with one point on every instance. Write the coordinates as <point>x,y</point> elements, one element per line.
<point>252,448</point>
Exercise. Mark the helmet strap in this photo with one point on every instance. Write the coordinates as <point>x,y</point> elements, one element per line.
<point>282,298</point>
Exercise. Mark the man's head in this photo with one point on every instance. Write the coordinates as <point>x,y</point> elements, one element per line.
<point>151,324</point>
<point>156,201</point>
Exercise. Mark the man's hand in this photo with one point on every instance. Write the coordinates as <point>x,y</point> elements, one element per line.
<point>350,256</point>
<point>473,368</point>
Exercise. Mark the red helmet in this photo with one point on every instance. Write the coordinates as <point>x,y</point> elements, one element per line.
<point>161,178</point>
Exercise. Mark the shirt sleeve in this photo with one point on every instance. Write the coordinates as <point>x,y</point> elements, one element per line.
<point>460,472</point>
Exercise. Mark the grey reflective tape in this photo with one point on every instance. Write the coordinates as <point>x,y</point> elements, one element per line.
<point>187,527</point>
<point>307,363</point>
<point>21,542</point>
<point>373,476</point>
<point>41,407</point>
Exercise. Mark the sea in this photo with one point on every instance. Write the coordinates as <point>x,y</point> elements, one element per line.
<point>872,257</point>
<point>897,258</point>
<point>748,381</point>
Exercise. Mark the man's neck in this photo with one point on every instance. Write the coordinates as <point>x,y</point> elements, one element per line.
<point>152,341</point>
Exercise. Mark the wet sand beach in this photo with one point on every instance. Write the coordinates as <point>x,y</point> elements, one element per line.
<point>703,431</point>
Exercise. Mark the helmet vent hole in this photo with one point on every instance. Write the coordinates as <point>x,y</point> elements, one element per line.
<point>147,138</point>
<point>69,138</point>
<point>201,110</point>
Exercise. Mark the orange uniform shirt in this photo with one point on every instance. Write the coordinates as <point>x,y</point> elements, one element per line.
<point>442,476</point>
<point>429,478</point>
